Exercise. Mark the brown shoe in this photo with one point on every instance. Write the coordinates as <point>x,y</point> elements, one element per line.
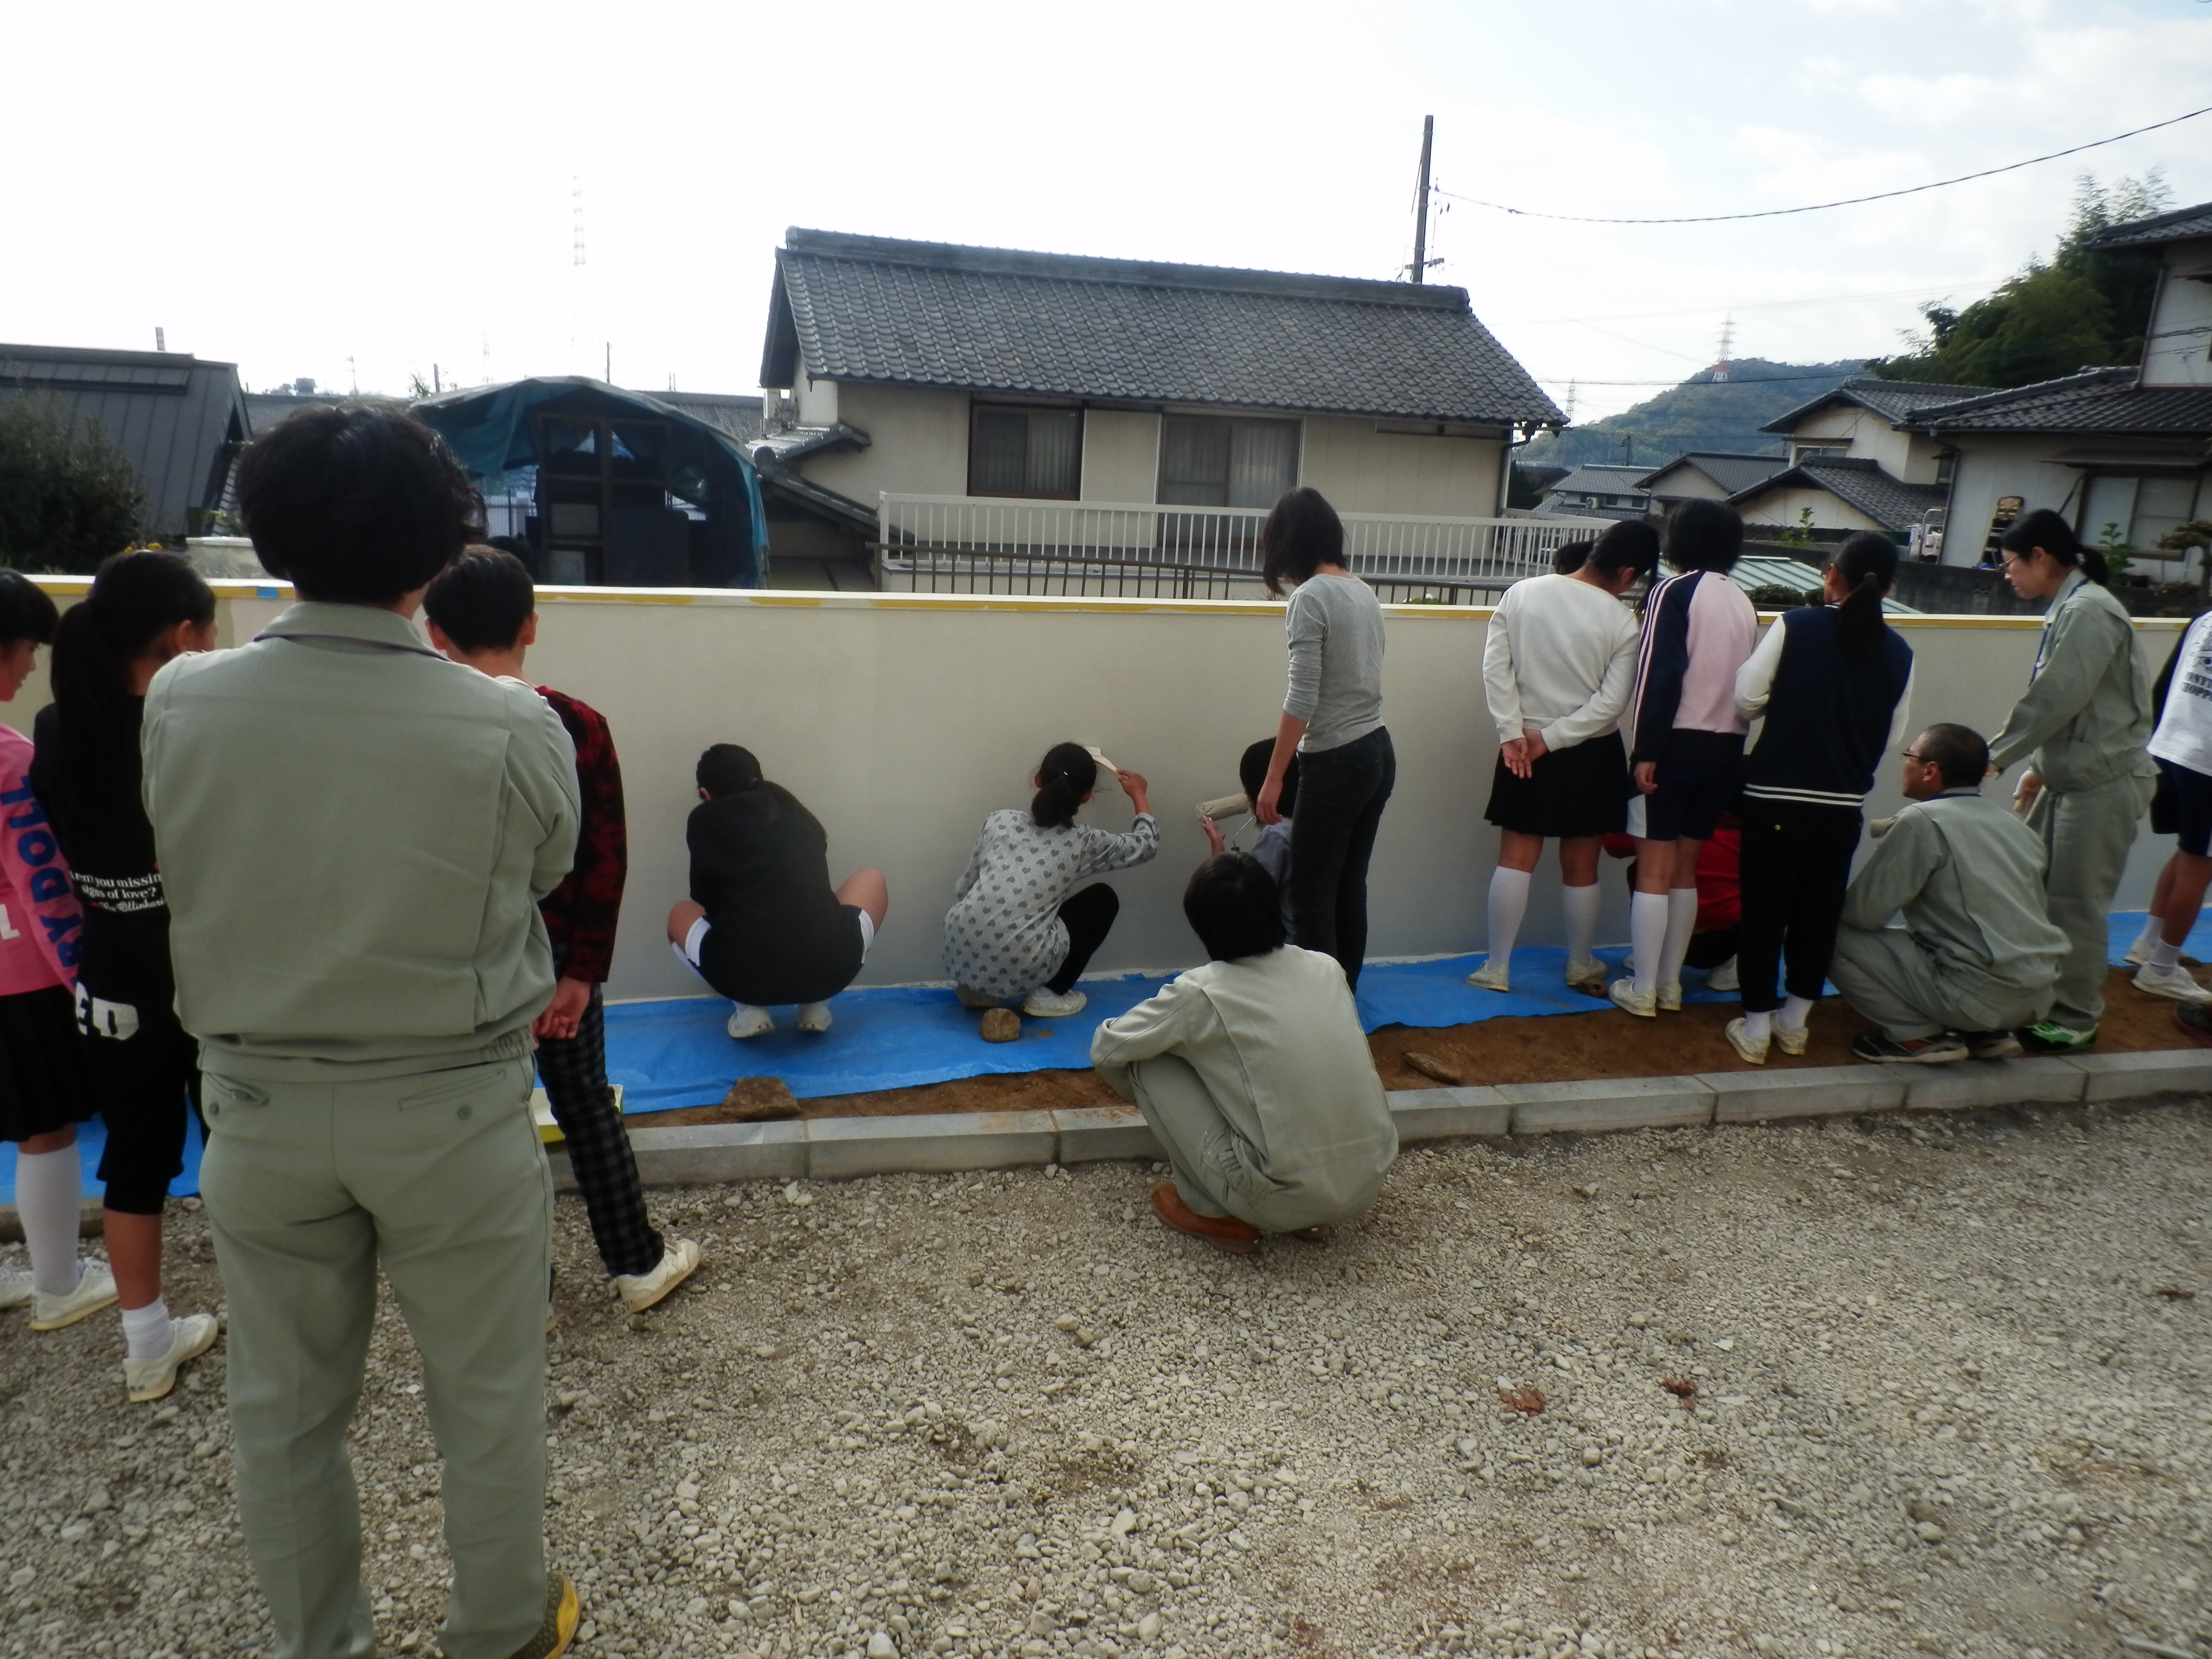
<point>1225,1233</point>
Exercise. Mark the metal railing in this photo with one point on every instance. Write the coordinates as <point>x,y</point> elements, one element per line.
<point>968,544</point>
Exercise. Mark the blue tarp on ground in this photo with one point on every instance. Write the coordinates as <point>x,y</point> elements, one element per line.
<point>667,1055</point>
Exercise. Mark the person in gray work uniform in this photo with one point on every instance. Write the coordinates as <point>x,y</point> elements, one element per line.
<point>2086,721</point>
<point>1978,955</point>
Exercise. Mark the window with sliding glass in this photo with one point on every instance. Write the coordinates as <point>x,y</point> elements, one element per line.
<point>1209,461</point>
<point>1025,452</point>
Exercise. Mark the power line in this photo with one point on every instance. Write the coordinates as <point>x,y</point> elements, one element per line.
<point>1821,206</point>
<point>1764,305</point>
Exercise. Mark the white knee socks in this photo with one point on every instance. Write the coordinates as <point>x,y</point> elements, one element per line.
<point>1647,932</point>
<point>1681,922</point>
<point>1508,903</point>
<point>1579,905</point>
<point>48,1187</point>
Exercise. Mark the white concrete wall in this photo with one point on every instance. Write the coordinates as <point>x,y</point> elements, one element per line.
<point>901,720</point>
<point>1781,507</point>
<point>1361,470</point>
<point>1994,466</point>
<point>1907,458</point>
<point>919,443</point>
<point>1684,484</point>
<point>1120,455</point>
<point>2175,355</point>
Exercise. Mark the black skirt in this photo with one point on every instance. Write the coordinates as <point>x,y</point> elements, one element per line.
<point>1572,793</point>
<point>44,1084</point>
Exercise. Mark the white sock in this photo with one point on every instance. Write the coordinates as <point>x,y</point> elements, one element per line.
<point>1647,931</point>
<point>2165,957</point>
<point>1579,904</point>
<point>1681,922</point>
<point>1757,1026</point>
<point>1795,1012</point>
<point>1508,903</point>
<point>148,1330</point>
<point>49,1187</point>
<point>2152,924</point>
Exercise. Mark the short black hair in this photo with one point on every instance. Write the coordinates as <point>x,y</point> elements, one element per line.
<point>728,770</point>
<point>27,615</point>
<point>1301,534</point>
<point>1252,772</point>
<point>1630,545</point>
<point>1571,556</point>
<point>1959,753</point>
<point>482,599</point>
<point>1703,535</point>
<point>357,503</point>
<point>1235,908</point>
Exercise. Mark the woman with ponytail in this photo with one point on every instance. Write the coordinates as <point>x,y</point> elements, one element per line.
<point>144,609</point>
<point>1834,682</point>
<point>1018,927</point>
<point>2083,726</point>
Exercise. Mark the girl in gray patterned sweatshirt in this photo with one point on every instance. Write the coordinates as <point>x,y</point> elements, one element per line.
<point>1018,927</point>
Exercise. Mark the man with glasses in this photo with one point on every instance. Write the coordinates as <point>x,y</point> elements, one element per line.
<point>1978,955</point>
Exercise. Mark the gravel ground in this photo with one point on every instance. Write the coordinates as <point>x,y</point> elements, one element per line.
<point>1949,1396</point>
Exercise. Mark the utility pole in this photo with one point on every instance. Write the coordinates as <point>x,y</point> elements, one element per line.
<point>1421,203</point>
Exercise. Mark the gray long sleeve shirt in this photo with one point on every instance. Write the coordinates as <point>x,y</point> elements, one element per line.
<point>1968,874</point>
<point>1335,627</point>
<point>2087,716</point>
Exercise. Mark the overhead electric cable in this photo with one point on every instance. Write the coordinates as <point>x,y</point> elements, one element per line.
<point>1821,206</point>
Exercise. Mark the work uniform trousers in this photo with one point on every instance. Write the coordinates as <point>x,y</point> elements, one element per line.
<point>1889,979</point>
<point>441,1179</point>
<point>1215,1164</point>
<point>2087,834</point>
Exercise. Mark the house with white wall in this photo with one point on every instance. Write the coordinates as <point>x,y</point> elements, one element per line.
<point>1854,463</point>
<point>929,372</point>
<point>1703,475</point>
<point>1597,489</point>
<point>2123,453</point>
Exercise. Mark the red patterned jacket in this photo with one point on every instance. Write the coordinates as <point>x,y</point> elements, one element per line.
<point>581,912</point>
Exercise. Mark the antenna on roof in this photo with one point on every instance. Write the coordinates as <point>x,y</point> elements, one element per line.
<point>1728,347</point>
<point>161,338</point>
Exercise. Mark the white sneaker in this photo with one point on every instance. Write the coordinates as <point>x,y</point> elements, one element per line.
<point>149,1379</point>
<point>95,1289</point>
<point>16,1289</point>
<point>1491,976</point>
<point>976,998</point>
<point>1587,975</point>
<point>1624,994</point>
<point>1792,1039</point>
<point>1723,978</point>
<point>1042,1004</point>
<point>2173,982</point>
<point>1670,997</point>
<point>747,1021</point>
<point>2138,954</point>
<point>679,1259</point>
<point>814,1016</point>
<point>1746,1045</point>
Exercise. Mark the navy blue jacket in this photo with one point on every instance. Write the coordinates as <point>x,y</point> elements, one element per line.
<point>1828,714</point>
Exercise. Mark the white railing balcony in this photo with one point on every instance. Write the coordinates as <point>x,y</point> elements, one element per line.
<point>969,543</point>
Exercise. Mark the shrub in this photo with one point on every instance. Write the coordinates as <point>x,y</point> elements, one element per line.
<point>68,497</point>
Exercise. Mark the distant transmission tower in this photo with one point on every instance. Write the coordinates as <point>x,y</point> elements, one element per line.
<point>1728,347</point>
<point>576,204</point>
<point>1570,402</point>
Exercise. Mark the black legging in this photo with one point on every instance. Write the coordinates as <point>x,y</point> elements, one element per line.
<point>1089,917</point>
<point>1793,862</point>
<point>1341,794</point>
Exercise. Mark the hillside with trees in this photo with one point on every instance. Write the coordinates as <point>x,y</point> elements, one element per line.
<point>1705,412</point>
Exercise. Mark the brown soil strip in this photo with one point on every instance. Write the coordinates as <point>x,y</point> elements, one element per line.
<point>1540,1049</point>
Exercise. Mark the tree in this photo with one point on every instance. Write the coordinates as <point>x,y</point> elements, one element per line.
<point>68,497</point>
<point>2083,309</point>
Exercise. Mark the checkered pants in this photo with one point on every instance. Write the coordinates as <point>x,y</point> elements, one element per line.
<point>574,1072</point>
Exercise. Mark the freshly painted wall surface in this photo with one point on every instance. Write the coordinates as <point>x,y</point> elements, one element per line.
<point>1120,455</point>
<point>920,443</point>
<point>902,721</point>
<point>1364,470</point>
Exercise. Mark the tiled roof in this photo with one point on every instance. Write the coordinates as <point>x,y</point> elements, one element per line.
<point>2094,401</point>
<point>737,417</point>
<point>1595,478</point>
<point>1731,472</point>
<point>177,417</point>
<point>994,319</point>
<point>1891,399</point>
<point>1856,482</point>
<point>2177,226</point>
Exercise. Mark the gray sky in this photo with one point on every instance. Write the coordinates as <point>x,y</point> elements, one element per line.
<point>293,187</point>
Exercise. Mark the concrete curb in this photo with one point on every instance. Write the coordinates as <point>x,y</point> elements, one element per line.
<point>841,1148</point>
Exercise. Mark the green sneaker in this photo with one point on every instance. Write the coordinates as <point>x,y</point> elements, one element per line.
<point>2047,1037</point>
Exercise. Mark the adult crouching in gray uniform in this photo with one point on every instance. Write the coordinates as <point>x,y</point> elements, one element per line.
<point>2085,722</point>
<point>1253,1073</point>
<point>1977,955</point>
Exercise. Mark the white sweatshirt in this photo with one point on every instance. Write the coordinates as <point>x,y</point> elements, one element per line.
<point>1559,658</point>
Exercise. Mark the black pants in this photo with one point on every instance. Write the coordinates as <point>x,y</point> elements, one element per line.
<point>1341,794</point>
<point>145,1083</point>
<point>574,1072</point>
<point>1794,863</point>
<point>1089,917</point>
